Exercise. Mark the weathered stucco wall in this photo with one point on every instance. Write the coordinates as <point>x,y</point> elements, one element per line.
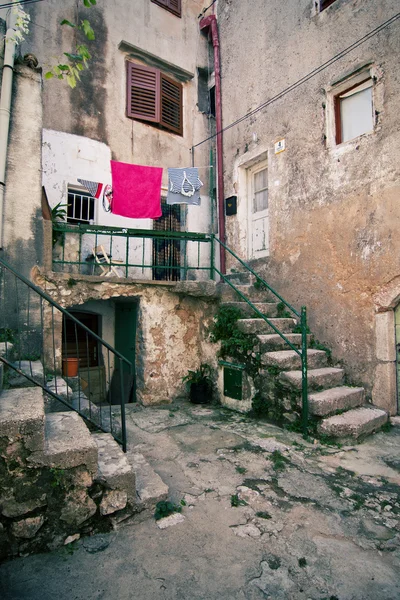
<point>23,233</point>
<point>172,329</point>
<point>95,109</point>
<point>334,210</point>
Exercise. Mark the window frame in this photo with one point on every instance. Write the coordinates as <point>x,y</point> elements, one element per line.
<point>338,109</point>
<point>92,201</point>
<point>160,94</point>
<point>324,4</point>
<point>167,5</point>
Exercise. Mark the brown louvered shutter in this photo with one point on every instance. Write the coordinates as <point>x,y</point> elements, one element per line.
<point>171,105</point>
<point>143,93</point>
<point>174,6</point>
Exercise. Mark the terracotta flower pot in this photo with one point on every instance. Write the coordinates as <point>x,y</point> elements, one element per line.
<point>70,367</point>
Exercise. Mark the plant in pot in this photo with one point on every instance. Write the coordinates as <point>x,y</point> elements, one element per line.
<point>199,383</point>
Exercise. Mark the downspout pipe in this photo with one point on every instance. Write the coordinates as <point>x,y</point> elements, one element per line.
<point>209,25</point>
<point>5,109</point>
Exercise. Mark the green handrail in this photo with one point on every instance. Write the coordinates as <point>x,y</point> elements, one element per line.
<point>303,325</point>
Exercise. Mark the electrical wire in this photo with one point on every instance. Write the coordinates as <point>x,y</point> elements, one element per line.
<point>306,78</point>
<point>19,3</point>
<point>206,9</point>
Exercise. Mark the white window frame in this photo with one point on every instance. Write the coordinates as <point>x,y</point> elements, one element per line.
<point>77,191</point>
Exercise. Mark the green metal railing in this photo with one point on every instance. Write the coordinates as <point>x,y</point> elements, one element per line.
<point>39,335</point>
<point>79,257</point>
<point>132,252</point>
<point>302,316</point>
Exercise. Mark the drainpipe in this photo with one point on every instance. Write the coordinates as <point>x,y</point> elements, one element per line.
<point>5,108</point>
<point>209,24</point>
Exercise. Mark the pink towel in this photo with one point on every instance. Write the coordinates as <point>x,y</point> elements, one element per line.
<point>136,190</point>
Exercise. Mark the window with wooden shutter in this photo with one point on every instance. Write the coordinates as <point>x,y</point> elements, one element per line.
<point>174,6</point>
<point>171,104</point>
<point>152,96</point>
<point>143,93</point>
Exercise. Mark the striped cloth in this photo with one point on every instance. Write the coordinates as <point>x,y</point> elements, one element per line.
<point>95,189</point>
<point>184,186</point>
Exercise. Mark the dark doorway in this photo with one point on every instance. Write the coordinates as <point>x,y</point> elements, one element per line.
<point>125,344</point>
<point>77,343</point>
<point>167,252</point>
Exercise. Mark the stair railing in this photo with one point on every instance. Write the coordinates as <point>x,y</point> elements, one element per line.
<point>42,342</point>
<point>302,316</point>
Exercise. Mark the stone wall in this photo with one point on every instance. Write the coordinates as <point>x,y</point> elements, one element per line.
<point>172,330</point>
<point>333,209</point>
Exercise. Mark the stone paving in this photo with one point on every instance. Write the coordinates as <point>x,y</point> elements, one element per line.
<point>265,514</point>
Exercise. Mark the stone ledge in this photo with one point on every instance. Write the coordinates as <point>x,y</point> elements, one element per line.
<point>114,469</point>
<point>68,443</point>
<point>22,414</point>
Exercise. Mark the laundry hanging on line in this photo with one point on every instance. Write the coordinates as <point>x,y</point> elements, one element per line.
<point>136,190</point>
<point>100,191</point>
<point>184,186</point>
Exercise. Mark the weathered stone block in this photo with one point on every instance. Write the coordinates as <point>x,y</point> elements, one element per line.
<point>114,469</point>
<point>384,392</point>
<point>9,507</point>
<point>78,508</point>
<point>384,336</point>
<point>27,528</point>
<point>22,416</point>
<point>112,501</point>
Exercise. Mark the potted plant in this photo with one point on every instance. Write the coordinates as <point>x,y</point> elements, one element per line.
<point>200,384</point>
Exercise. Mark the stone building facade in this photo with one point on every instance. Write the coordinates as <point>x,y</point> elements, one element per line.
<point>316,170</point>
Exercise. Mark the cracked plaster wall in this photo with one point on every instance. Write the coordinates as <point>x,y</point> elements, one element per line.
<point>334,211</point>
<point>171,332</point>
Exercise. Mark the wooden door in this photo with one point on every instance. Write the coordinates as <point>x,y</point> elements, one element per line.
<point>258,217</point>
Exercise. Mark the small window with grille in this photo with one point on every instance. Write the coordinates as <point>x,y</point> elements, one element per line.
<point>80,207</point>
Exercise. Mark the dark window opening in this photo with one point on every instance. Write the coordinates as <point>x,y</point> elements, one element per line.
<point>212,101</point>
<point>325,3</point>
<point>167,252</point>
<point>80,207</point>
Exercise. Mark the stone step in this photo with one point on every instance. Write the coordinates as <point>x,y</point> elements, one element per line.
<point>269,309</point>
<point>329,402</point>
<point>327,377</point>
<point>227,293</point>
<point>274,341</point>
<point>287,360</point>
<point>33,368</point>
<point>68,443</point>
<point>22,417</point>
<point>354,423</point>
<point>254,326</point>
<point>116,473</point>
<point>150,488</point>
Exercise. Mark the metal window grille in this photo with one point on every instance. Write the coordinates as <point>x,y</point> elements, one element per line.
<point>80,207</point>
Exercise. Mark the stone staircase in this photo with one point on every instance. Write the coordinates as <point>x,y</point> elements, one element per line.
<point>58,480</point>
<point>339,410</point>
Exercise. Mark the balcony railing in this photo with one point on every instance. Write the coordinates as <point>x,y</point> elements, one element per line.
<point>132,253</point>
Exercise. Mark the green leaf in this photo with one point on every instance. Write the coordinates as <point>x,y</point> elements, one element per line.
<point>93,2</point>
<point>83,51</point>
<point>49,75</point>
<point>63,67</point>
<point>66,22</point>
<point>73,57</point>
<point>87,29</point>
<point>71,80</point>
<point>87,3</point>
<point>80,66</point>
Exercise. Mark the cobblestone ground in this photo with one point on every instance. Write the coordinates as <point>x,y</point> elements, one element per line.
<point>265,514</point>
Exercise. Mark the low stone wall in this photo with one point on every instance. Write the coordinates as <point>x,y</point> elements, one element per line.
<point>44,507</point>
